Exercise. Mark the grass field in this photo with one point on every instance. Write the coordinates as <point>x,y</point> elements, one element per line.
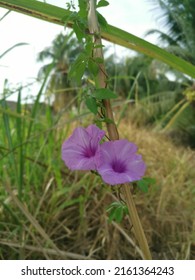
<point>48,212</point>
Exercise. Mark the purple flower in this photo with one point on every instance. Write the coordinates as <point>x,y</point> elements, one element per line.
<point>119,162</point>
<point>81,150</point>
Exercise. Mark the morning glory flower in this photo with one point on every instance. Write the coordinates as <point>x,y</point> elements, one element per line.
<point>81,150</point>
<point>119,162</point>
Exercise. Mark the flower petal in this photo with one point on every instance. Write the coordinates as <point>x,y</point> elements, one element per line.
<point>81,150</point>
<point>95,132</point>
<point>120,154</point>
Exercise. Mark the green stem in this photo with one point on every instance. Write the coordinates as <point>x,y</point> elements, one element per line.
<point>112,129</point>
<point>101,76</point>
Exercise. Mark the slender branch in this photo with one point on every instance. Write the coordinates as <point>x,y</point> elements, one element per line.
<point>111,127</point>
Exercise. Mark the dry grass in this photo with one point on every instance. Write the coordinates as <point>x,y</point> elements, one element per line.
<point>168,210</point>
<point>70,221</point>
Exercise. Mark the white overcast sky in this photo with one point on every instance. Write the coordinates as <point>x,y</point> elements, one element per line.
<point>19,66</point>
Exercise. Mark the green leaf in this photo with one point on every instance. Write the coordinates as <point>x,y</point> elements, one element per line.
<point>118,214</point>
<point>145,183</point>
<point>150,181</point>
<point>116,211</point>
<point>78,68</point>
<point>83,8</point>
<point>111,215</point>
<point>102,3</point>
<point>102,21</point>
<point>78,31</point>
<point>99,60</point>
<point>113,205</point>
<point>89,47</point>
<point>93,67</point>
<point>91,105</point>
<point>104,93</point>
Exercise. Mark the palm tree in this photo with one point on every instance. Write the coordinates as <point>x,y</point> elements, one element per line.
<point>178,18</point>
<point>61,54</point>
<point>122,73</point>
<point>143,82</point>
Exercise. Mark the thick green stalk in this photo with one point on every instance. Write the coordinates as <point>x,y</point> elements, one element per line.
<point>112,129</point>
<point>111,33</point>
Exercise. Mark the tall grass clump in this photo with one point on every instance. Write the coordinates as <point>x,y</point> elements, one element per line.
<point>30,166</point>
<point>49,212</point>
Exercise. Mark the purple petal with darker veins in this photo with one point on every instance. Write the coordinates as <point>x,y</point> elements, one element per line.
<point>95,132</point>
<point>81,150</point>
<point>120,163</point>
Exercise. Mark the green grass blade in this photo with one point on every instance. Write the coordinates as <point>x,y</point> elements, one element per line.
<point>39,10</point>
<point>8,136</point>
<point>174,118</point>
<point>36,104</point>
<point>126,104</point>
<point>173,110</point>
<point>13,47</point>
<point>125,39</point>
<point>112,34</point>
<point>7,13</point>
<point>19,130</point>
